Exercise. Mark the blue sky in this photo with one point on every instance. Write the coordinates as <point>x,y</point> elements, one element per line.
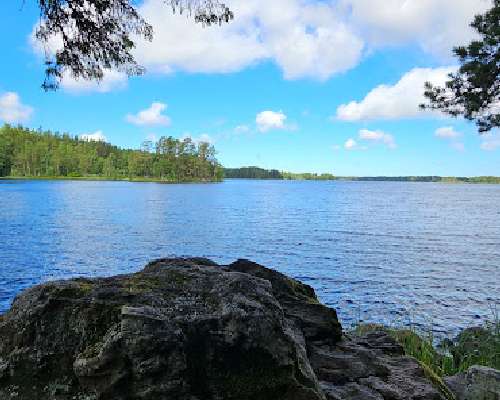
<point>295,85</point>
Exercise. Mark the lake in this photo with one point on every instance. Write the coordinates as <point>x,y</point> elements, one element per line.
<point>391,252</point>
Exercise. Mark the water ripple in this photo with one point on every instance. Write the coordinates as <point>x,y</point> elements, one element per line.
<point>391,252</point>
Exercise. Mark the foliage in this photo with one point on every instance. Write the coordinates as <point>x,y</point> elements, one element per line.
<point>473,346</point>
<point>436,179</point>
<point>477,346</point>
<point>474,91</point>
<point>252,173</point>
<point>28,153</point>
<point>260,173</point>
<point>96,35</point>
<point>307,176</point>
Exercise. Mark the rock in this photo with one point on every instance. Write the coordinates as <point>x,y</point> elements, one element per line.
<point>188,329</point>
<point>4,369</point>
<point>369,367</point>
<point>477,383</point>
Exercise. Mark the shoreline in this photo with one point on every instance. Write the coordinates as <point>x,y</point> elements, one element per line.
<point>409,179</point>
<point>101,179</point>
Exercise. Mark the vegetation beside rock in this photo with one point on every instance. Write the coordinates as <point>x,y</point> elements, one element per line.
<point>473,346</point>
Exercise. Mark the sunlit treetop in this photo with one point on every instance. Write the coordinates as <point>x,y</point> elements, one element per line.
<point>97,35</point>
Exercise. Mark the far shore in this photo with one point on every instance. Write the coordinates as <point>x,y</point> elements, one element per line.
<point>422,179</point>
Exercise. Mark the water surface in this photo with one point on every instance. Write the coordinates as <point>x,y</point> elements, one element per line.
<point>392,252</point>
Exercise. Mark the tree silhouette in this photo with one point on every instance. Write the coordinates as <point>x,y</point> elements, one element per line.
<point>474,91</point>
<point>96,35</point>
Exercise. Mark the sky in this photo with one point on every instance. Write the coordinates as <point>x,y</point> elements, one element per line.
<point>296,85</point>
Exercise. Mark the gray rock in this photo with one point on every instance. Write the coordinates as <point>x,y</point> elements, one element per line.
<point>188,329</point>
<point>370,367</point>
<point>477,383</point>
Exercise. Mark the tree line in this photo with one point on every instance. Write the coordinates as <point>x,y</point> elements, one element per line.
<point>35,153</point>
<point>260,173</point>
<point>436,179</point>
<point>252,173</point>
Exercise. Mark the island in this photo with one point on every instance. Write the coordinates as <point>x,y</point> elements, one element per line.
<point>37,154</point>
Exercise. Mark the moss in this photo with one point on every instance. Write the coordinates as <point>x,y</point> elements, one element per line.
<point>146,283</point>
<point>91,351</point>
<point>302,291</point>
<point>141,284</point>
<point>75,290</point>
<point>85,285</point>
<point>363,329</point>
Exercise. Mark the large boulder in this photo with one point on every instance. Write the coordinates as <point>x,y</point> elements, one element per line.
<point>188,329</point>
<point>477,383</point>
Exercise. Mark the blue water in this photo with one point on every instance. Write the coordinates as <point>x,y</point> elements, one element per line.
<point>400,253</point>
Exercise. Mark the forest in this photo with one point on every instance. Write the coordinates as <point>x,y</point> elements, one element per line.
<point>252,173</point>
<point>35,153</point>
<point>260,173</point>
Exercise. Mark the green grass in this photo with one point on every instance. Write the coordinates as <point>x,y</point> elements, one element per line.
<point>474,346</point>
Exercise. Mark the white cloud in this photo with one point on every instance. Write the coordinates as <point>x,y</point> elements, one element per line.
<point>378,136</point>
<point>97,136</point>
<point>112,80</point>
<point>151,116</point>
<point>450,134</point>
<point>491,141</point>
<point>12,110</point>
<point>268,120</point>
<point>350,144</point>
<point>436,26</point>
<point>42,49</point>
<point>447,132</point>
<point>401,100</point>
<point>242,129</point>
<point>203,138</point>
<point>368,136</point>
<point>305,39</point>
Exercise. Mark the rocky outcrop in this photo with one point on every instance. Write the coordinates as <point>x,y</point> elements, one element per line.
<point>188,329</point>
<point>477,383</point>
